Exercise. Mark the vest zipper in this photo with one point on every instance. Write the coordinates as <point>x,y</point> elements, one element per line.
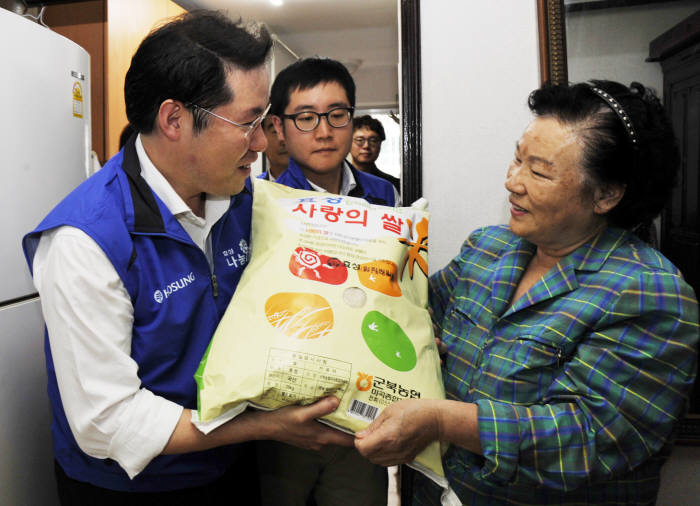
<point>209,254</point>
<point>214,285</point>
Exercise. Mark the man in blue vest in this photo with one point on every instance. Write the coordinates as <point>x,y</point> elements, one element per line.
<point>276,153</point>
<point>136,267</point>
<point>367,137</point>
<point>312,103</point>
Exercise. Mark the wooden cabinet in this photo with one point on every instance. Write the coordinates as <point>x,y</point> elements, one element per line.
<point>678,51</point>
<point>128,22</point>
<point>110,30</point>
<point>681,224</point>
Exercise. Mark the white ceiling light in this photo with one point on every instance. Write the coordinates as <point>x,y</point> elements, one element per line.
<point>277,3</point>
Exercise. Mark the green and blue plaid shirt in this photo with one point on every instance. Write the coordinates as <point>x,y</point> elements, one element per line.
<point>578,384</point>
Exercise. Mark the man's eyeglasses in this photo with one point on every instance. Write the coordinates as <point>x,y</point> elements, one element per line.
<point>307,121</point>
<point>248,128</point>
<point>372,141</point>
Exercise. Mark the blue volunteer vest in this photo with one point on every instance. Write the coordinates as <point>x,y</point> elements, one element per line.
<point>373,189</point>
<point>178,301</point>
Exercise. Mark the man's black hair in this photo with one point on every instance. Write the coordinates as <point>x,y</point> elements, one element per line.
<point>127,132</point>
<point>188,59</point>
<point>370,123</point>
<point>307,73</point>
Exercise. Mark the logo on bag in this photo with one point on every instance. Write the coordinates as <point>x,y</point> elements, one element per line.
<point>160,295</point>
<point>364,382</point>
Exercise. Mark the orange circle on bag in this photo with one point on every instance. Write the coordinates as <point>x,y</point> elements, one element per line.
<point>300,315</point>
<point>380,276</point>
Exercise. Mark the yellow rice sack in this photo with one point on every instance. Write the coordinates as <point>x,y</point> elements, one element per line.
<point>333,301</point>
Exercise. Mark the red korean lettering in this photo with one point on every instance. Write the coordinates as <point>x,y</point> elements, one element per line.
<point>331,213</point>
<point>356,216</point>
<point>392,223</point>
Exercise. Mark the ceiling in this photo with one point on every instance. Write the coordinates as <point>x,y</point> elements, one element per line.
<point>362,34</point>
<point>295,16</point>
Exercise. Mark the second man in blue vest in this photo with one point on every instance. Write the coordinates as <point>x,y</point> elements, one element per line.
<point>312,103</point>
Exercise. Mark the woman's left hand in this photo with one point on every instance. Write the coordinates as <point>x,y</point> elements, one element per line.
<point>401,432</point>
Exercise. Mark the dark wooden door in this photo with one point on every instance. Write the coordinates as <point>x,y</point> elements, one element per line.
<point>680,225</point>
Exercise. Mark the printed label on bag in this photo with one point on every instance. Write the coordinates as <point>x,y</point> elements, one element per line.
<point>293,376</point>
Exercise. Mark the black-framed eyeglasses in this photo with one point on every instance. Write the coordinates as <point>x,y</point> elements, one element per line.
<point>248,128</point>
<point>360,141</point>
<point>306,121</point>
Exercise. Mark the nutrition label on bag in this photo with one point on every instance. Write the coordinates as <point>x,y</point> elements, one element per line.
<point>293,376</point>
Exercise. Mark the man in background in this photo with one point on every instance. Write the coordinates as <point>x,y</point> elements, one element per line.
<point>276,152</point>
<point>312,103</point>
<point>133,276</point>
<point>367,137</point>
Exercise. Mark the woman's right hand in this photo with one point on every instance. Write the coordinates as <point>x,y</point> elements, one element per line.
<point>402,431</point>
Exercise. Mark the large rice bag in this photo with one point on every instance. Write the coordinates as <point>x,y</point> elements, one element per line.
<point>333,301</point>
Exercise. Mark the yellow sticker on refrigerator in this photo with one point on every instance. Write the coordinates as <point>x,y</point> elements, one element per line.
<point>77,100</point>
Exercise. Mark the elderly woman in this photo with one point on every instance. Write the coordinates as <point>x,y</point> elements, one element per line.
<point>571,344</point>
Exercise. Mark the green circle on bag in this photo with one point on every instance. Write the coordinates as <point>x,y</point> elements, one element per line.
<point>388,342</point>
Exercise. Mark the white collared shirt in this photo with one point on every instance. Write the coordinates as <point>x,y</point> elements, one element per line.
<point>197,228</point>
<point>347,181</point>
<point>348,184</point>
<point>89,315</point>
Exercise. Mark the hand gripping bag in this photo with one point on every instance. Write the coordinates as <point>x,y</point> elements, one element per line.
<point>333,301</point>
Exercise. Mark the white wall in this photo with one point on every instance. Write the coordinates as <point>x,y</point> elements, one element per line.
<point>281,57</point>
<point>377,86</point>
<point>376,77</point>
<point>613,43</point>
<point>480,62</point>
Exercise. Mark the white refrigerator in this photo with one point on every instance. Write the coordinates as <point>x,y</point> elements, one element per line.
<point>44,153</point>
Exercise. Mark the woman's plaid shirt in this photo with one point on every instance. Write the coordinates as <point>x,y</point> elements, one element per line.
<point>578,384</point>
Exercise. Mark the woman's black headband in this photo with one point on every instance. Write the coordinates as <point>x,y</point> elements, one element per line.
<point>621,113</point>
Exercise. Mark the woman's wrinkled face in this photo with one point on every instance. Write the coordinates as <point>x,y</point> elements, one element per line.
<point>550,205</point>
